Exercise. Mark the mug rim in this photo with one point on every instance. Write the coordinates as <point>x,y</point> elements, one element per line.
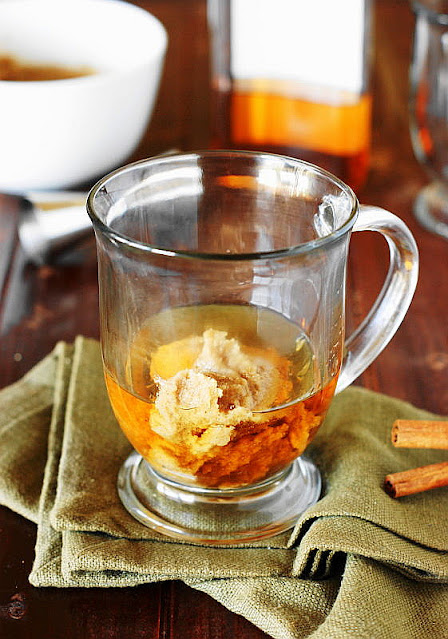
<point>297,249</point>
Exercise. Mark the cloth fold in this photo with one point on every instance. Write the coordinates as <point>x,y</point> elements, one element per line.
<point>355,560</point>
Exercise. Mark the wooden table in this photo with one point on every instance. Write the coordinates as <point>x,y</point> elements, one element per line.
<point>39,306</point>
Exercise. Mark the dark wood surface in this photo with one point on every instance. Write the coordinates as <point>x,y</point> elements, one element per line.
<point>39,306</point>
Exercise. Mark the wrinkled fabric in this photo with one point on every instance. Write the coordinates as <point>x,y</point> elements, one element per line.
<point>357,564</point>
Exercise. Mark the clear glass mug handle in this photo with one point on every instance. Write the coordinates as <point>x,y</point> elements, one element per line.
<point>393,301</point>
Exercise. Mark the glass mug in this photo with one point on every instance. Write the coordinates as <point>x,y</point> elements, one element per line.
<point>429,111</point>
<point>222,286</point>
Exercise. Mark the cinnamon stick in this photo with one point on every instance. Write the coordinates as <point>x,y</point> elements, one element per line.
<point>415,433</point>
<point>417,480</point>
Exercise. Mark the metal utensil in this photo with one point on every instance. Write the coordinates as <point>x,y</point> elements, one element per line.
<point>51,223</point>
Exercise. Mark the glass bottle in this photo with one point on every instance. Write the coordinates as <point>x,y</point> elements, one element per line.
<point>292,77</point>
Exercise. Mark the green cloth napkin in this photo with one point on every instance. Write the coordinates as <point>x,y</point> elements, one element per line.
<point>357,564</point>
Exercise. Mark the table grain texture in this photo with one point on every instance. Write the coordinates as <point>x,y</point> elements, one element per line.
<point>39,306</point>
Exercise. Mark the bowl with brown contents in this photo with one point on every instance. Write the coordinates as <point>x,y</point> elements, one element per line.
<point>78,83</point>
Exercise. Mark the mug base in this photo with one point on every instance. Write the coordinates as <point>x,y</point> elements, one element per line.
<point>213,516</point>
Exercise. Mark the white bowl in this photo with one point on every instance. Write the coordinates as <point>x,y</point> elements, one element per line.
<point>62,133</point>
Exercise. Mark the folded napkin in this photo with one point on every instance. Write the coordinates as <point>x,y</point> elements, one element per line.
<point>358,563</point>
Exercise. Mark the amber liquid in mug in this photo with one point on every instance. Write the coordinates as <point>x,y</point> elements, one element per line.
<point>226,404</point>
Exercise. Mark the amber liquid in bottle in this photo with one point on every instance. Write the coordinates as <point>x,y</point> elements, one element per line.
<point>331,129</point>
